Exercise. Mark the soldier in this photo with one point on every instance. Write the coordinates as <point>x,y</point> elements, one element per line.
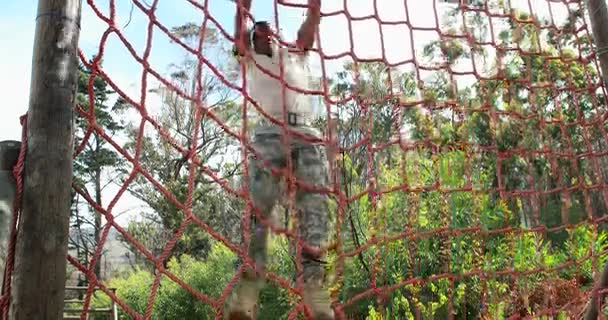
<point>309,156</point>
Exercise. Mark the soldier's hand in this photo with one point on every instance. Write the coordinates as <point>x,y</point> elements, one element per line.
<point>241,35</point>
<point>314,10</point>
<point>314,6</point>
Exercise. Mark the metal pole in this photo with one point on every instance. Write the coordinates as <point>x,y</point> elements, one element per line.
<point>42,242</point>
<point>114,308</point>
<point>598,15</point>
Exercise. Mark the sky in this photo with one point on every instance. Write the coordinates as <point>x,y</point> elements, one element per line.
<point>17,25</point>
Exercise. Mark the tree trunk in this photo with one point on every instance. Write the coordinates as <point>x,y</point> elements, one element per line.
<point>97,226</point>
<point>42,241</point>
<point>598,14</point>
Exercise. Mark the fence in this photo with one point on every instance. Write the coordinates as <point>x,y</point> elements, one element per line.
<point>73,306</point>
<point>470,178</point>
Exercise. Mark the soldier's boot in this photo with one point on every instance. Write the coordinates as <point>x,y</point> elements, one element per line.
<point>243,302</point>
<point>316,297</point>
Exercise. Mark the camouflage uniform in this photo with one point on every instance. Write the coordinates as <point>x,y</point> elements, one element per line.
<point>309,164</point>
<point>310,167</point>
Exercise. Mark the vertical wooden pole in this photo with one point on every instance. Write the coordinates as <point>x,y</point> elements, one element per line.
<point>9,153</point>
<point>598,15</point>
<point>42,242</point>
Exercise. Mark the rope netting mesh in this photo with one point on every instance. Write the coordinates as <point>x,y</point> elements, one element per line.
<point>471,176</point>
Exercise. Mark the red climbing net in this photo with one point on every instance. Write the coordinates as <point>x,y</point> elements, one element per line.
<point>472,172</point>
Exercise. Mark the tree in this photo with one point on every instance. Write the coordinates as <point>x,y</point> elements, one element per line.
<point>438,175</point>
<point>446,125</point>
<point>97,166</point>
<point>213,148</point>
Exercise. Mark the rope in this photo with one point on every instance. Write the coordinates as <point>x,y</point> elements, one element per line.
<point>18,174</point>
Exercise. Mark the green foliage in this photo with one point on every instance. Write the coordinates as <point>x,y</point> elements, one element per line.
<point>209,277</point>
<point>97,164</point>
<point>172,169</point>
<point>440,230</point>
<point>453,222</point>
<point>172,301</point>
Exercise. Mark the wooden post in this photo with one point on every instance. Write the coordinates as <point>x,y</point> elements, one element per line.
<point>42,242</point>
<point>9,153</point>
<point>598,15</point>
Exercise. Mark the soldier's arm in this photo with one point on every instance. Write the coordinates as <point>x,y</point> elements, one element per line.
<point>308,29</point>
<point>241,43</point>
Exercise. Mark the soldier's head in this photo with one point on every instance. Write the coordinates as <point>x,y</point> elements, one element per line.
<point>261,38</point>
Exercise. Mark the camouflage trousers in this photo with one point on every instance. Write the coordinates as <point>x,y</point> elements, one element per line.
<point>310,168</point>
